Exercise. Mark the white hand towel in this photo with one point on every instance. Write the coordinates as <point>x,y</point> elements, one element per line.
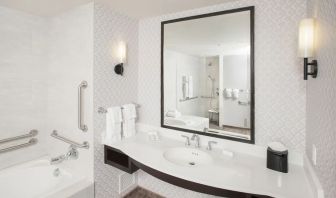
<point>235,93</point>
<point>227,93</point>
<point>129,113</point>
<point>113,125</point>
<point>190,87</point>
<point>173,113</point>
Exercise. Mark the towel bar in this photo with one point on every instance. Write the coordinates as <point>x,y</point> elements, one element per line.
<point>102,110</point>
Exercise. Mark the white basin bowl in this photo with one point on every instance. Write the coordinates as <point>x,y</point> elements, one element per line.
<point>187,157</point>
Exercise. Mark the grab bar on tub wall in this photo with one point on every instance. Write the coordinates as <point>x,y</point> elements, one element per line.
<point>20,146</point>
<point>81,126</point>
<point>32,133</point>
<point>72,143</point>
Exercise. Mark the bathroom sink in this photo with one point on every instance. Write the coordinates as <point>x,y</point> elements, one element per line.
<point>187,156</point>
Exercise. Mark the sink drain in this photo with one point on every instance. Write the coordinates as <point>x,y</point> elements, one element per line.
<point>191,163</point>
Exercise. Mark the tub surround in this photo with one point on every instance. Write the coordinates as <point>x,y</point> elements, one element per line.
<point>37,180</point>
<point>241,173</point>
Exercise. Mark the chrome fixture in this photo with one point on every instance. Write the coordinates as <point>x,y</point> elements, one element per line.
<point>71,154</point>
<point>196,138</point>
<point>31,134</point>
<point>210,143</point>
<point>20,146</point>
<point>72,143</point>
<point>187,143</point>
<point>31,142</point>
<point>81,126</point>
<point>119,68</point>
<point>102,110</point>
<point>56,172</point>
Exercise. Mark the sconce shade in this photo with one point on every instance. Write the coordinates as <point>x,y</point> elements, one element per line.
<point>306,38</point>
<point>122,52</point>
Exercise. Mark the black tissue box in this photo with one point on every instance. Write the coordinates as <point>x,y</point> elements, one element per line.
<point>277,160</point>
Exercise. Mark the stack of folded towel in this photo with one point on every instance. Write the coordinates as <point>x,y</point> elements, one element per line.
<point>173,113</point>
<point>120,123</point>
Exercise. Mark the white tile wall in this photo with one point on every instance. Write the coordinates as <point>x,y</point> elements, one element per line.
<point>22,81</point>
<point>42,61</point>
<point>321,96</point>
<point>70,61</point>
<point>110,89</point>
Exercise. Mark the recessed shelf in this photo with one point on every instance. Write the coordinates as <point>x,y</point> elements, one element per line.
<point>118,159</point>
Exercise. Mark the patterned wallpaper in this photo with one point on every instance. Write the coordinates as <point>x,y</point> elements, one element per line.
<point>321,96</point>
<point>110,89</point>
<point>280,90</point>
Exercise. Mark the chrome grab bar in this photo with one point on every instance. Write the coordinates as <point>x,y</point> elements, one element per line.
<point>72,143</point>
<point>20,146</point>
<point>81,126</point>
<point>32,133</point>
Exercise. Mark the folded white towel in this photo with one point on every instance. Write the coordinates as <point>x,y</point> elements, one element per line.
<point>113,125</point>
<point>173,113</point>
<point>227,93</point>
<point>129,115</point>
<point>235,93</point>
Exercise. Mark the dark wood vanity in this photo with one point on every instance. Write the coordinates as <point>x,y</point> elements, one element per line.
<point>120,160</point>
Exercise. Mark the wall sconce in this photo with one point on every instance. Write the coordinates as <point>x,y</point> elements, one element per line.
<point>119,68</point>
<point>306,47</point>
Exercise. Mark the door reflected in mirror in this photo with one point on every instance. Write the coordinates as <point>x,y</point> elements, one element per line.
<point>208,82</point>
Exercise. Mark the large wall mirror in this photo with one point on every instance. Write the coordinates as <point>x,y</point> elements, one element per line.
<point>207,74</point>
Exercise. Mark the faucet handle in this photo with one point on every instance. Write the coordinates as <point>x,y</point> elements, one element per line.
<point>187,143</point>
<point>209,147</point>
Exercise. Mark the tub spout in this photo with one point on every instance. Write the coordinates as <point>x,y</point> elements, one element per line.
<point>71,154</point>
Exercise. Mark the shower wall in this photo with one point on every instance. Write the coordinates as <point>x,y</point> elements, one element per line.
<point>22,81</point>
<point>42,61</point>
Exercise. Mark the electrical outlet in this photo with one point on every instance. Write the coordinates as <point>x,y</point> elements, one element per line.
<point>314,154</point>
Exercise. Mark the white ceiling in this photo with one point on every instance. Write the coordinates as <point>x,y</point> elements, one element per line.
<point>210,36</point>
<point>133,8</point>
<point>42,7</point>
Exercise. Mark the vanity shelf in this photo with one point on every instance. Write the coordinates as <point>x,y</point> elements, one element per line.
<point>118,159</point>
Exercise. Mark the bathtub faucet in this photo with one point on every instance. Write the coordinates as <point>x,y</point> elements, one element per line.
<point>71,154</point>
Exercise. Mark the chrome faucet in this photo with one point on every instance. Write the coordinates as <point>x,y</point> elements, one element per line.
<point>71,154</point>
<point>187,143</point>
<point>210,143</point>
<point>197,139</point>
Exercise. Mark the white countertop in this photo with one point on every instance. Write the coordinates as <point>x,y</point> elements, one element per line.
<point>242,173</point>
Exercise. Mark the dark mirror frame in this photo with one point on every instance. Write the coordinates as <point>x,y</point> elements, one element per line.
<point>252,111</point>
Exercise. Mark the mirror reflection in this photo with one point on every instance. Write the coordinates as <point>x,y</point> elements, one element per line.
<point>207,74</point>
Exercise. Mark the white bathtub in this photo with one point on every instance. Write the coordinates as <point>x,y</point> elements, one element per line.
<point>35,179</point>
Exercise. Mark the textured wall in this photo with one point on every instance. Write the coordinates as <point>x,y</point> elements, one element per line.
<point>321,96</point>
<point>110,89</point>
<point>280,90</point>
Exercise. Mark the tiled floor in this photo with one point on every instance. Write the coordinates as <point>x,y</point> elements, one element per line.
<point>139,192</point>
